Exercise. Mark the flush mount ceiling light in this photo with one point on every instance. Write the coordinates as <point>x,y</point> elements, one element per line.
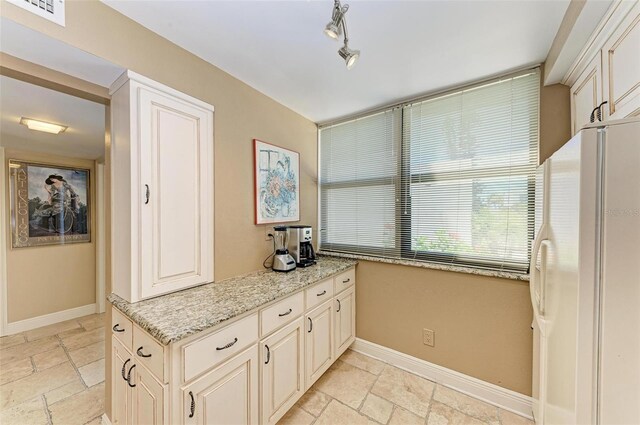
<point>337,27</point>
<point>44,126</point>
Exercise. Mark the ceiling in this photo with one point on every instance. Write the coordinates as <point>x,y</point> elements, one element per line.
<point>408,47</point>
<point>86,120</point>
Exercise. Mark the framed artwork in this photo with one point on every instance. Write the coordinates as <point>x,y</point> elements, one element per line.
<point>277,183</point>
<point>49,204</point>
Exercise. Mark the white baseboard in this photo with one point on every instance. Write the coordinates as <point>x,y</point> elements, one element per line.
<point>474,387</point>
<point>105,419</point>
<point>49,319</point>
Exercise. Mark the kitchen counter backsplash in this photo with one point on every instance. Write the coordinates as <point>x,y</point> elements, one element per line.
<point>172,317</point>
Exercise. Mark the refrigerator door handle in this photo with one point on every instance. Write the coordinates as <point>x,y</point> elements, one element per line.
<point>533,270</point>
<point>544,249</point>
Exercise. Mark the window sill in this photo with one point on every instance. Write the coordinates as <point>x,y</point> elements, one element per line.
<point>433,266</point>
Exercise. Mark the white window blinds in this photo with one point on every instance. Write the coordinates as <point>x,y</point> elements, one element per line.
<point>448,179</point>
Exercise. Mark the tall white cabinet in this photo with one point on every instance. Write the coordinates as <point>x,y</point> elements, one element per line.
<point>161,189</point>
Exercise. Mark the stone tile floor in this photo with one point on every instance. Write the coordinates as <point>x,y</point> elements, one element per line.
<point>55,375</point>
<point>358,389</point>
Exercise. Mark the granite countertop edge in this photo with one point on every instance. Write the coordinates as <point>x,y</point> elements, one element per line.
<point>172,317</point>
<point>428,265</point>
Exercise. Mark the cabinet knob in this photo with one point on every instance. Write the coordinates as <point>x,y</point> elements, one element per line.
<point>310,325</point>
<point>346,281</point>
<point>339,306</point>
<point>146,194</point>
<point>116,328</point>
<point>321,293</point>
<point>268,354</point>
<point>124,366</point>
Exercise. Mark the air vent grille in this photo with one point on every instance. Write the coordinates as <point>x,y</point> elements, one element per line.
<point>52,10</point>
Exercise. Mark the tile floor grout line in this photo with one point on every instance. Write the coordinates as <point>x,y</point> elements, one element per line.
<point>433,392</point>
<point>46,409</point>
<point>66,351</point>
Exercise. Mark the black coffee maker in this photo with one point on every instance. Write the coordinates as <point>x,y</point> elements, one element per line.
<point>300,246</point>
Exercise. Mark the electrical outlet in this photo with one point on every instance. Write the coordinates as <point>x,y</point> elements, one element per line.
<point>428,337</point>
<point>268,230</point>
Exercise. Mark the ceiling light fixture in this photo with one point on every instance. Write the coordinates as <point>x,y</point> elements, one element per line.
<point>44,126</point>
<point>337,27</point>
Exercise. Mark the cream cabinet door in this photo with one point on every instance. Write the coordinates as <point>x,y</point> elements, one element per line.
<point>120,390</point>
<point>345,320</point>
<point>228,395</point>
<point>318,342</point>
<point>586,94</point>
<point>282,376</point>
<point>621,67</point>
<point>176,175</point>
<point>148,397</point>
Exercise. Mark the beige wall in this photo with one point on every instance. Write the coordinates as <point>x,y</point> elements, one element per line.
<point>241,114</point>
<point>47,279</point>
<point>555,119</point>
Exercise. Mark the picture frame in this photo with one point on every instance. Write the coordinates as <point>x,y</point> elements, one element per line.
<point>276,184</point>
<point>50,204</point>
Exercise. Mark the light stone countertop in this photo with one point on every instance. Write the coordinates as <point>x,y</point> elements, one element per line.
<point>172,317</point>
<point>429,265</point>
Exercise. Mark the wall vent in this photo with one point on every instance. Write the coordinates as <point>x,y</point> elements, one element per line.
<point>53,10</point>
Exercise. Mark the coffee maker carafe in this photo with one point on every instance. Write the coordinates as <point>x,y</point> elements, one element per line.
<point>282,260</point>
<point>300,246</point>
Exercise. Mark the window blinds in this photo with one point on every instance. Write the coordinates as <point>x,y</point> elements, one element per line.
<point>448,179</point>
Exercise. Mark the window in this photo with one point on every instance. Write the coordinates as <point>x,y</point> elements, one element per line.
<point>447,179</point>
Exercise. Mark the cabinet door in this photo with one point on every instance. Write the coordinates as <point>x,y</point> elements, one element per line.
<point>345,320</point>
<point>586,94</point>
<point>318,342</point>
<point>282,371</point>
<point>227,395</point>
<point>621,70</point>
<point>120,390</point>
<point>176,174</point>
<point>148,398</point>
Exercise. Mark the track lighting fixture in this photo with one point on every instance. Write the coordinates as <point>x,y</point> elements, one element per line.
<point>337,27</point>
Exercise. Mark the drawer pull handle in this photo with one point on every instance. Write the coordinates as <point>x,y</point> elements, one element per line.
<point>146,194</point>
<point>310,325</point>
<point>339,306</point>
<point>346,281</point>
<point>141,354</point>
<point>129,377</point>
<point>285,314</point>
<point>116,328</point>
<point>228,345</point>
<point>124,366</point>
<point>193,405</point>
<point>268,354</point>
<point>321,293</point>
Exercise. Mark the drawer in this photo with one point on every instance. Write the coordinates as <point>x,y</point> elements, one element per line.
<point>122,328</point>
<point>213,349</point>
<point>279,314</point>
<point>148,352</point>
<point>319,293</point>
<point>344,280</point>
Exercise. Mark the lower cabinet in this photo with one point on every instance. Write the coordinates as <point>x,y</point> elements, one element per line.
<point>138,398</point>
<point>282,379</point>
<point>230,376</point>
<point>345,320</point>
<point>147,397</point>
<point>226,395</point>
<point>318,342</point>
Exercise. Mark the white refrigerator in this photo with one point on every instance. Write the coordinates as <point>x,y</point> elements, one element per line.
<point>585,279</point>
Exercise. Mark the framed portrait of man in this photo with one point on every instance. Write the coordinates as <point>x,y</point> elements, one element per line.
<point>50,204</point>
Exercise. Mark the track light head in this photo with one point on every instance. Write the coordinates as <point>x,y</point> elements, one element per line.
<point>332,30</point>
<point>350,56</point>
